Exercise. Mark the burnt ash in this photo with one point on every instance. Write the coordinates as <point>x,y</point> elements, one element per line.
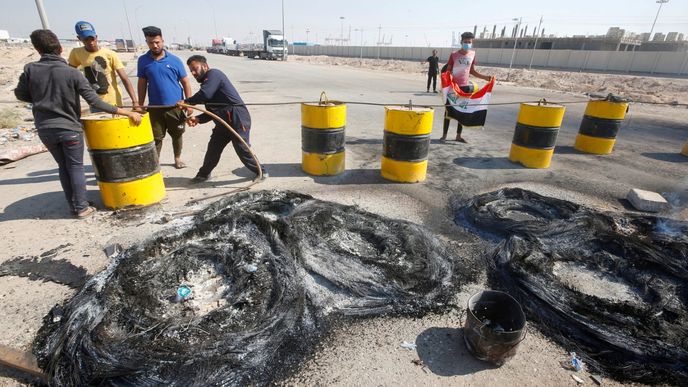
<point>269,273</point>
<point>46,268</point>
<point>645,339</point>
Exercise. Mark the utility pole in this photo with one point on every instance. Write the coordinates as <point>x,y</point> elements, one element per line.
<point>513,52</point>
<point>131,36</point>
<point>284,36</point>
<point>341,32</point>
<point>534,45</point>
<point>660,2</point>
<point>379,43</point>
<point>360,30</point>
<point>42,15</point>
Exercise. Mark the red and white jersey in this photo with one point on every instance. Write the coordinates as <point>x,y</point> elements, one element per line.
<point>461,66</point>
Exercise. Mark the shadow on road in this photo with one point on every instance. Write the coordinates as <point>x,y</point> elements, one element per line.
<point>21,377</point>
<point>185,182</point>
<point>486,163</point>
<point>48,205</point>
<point>43,176</point>
<point>669,157</point>
<point>567,150</point>
<point>348,177</point>
<point>443,351</point>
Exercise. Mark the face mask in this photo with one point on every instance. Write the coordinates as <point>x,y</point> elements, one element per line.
<point>466,46</point>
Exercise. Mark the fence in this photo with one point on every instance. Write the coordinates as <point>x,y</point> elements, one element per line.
<point>637,62</point>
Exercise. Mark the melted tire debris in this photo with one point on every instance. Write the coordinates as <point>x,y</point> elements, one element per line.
<point>268,272</point>
<point>643,339</point>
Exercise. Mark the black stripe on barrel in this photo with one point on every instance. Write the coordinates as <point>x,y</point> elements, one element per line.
<point>599,127</point>
<point>323,141</point>
<point>406,148</point>
<point>535,137</point>
<point>128,164</point>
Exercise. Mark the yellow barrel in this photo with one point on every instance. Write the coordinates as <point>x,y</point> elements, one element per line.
<point>685,149</point>
<point>322,138</point>
<point>536,132</point>
<point>406,143</point>
<point>601,123</point>
<point>124,160</point>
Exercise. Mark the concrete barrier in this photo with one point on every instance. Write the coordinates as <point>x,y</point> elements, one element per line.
<point>661,63</point>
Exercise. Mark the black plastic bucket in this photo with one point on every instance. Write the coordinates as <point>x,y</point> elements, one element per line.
<point>495,326</point>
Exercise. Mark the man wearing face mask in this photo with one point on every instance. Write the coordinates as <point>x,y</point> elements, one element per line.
<point>223,100</point>
<point>461,64</point>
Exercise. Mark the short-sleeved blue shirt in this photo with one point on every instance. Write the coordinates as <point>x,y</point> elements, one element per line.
<point>163,78</point>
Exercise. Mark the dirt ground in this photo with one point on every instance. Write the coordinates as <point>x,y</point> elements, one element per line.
<point>441,358</point>
<point>636,88</point>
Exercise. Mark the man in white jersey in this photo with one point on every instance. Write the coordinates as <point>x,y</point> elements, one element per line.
<point>461,64</point>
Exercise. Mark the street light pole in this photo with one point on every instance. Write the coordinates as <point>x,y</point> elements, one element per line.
<point>341,33</point>
<point>42,15</point>
<point>360,31</point>
<point>535,44</point>
<point>660,2</point>
<point>284,36</point>
<point>513,52</point>
<point>131,35</point>
<point>379,42</point>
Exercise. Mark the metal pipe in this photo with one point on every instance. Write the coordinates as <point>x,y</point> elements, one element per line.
<point>42,15</point>
<point>530,65</point>
<point>513,52</point>
<point>660,2</point>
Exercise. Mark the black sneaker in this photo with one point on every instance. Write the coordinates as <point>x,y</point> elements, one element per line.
<point>199,179</point>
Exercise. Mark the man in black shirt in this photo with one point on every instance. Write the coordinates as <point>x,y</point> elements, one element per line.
<point>224,101</point>
<point>433,69</point>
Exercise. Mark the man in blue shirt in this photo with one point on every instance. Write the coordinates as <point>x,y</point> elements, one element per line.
<point>163,75</point>
<point>223,100</point>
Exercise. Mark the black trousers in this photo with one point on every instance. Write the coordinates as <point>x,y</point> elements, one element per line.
<point>445,126</point>
<point>221,137</point>
<point>432,77</point>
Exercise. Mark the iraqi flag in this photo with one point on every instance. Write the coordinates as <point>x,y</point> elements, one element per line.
<point>468,107</point>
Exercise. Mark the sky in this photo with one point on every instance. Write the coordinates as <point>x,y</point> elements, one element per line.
<point>403,22</point>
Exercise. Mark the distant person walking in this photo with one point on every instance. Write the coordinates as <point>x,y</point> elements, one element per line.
<point>53,89</point>
<point>433,69</point>
<point>226,104</point>
<point>101,66</point>
<point>461,64</point>
<point>163,76</point>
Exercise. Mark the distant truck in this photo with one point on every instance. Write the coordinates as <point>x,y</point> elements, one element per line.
<point>224,46</point>
<point>274,47</point>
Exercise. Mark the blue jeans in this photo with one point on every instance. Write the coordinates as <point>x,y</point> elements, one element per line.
<point>67,148</point>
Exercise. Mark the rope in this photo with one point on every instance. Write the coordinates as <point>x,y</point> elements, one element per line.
<point>238,137</point>
<point>285,103</point>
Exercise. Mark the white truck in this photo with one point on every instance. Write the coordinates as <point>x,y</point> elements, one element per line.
<point>274,47</point>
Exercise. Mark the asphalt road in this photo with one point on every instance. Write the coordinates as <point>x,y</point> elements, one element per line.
<point>646,154</point>
<point>35,218</point>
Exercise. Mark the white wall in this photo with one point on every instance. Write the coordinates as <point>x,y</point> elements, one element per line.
<point>664,63</point>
